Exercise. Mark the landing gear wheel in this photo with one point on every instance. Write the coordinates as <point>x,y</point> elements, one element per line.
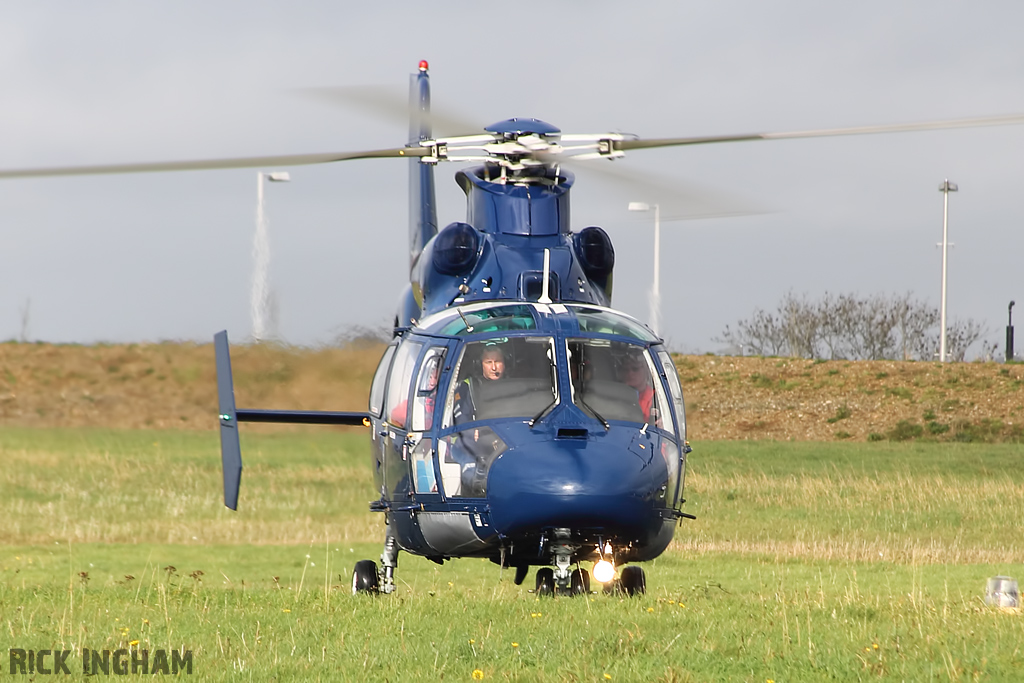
<point>364,577</point>
<point>545,581</point>
<point>633,581</point>
<point>579,582</point>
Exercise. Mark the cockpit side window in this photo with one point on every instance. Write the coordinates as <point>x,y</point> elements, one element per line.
<point>675,387</point>
<point>379,382</point>
<point>503,377</point>
<point>397,400</point>
<point>426,388</point>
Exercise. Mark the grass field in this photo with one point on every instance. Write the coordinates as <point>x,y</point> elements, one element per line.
<point>808,561</point>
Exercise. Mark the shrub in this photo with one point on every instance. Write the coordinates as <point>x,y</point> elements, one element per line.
<point>905,431</point>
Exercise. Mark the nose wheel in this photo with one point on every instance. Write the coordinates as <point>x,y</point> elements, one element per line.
<point>579,582</point>
<point>547,584</point>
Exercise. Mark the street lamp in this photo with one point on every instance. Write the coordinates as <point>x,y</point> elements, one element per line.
<point>945,188</point>
<point>260,301</point>
<point>655,296</point>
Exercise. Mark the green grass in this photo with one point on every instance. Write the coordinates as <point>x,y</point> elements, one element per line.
<point>808,561</point>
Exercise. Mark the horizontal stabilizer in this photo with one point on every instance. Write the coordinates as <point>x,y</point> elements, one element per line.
<point>309,417</point>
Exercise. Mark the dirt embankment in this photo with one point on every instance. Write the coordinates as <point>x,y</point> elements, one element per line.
<point>173,385</point>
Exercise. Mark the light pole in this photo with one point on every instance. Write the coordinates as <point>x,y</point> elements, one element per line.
<point>655,296</point>
<point>1009,332</point>
<point>945,188</point>
<point>260,301</point>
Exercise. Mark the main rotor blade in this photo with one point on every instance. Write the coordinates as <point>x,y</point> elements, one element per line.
<point>385,102</point>
<point>1004,120</point>
<point>210,164</point>
<point>679,200</point>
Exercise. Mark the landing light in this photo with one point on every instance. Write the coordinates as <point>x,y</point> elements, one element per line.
<point>604,571</point>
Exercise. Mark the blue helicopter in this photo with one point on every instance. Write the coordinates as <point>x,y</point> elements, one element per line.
<point>515,416</point>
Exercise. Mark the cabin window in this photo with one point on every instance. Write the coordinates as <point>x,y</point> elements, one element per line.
<point>401,379</point>
<point>503,377</point>
<point>423,467</point>
<point>600,321</point>
<point>426,388</point>
<point>614,381</point>
<point>380,381</point>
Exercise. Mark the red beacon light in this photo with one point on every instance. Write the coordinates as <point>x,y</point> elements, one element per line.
<point>423,65</point>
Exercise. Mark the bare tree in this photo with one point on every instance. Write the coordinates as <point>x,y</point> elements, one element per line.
<point>852,327</point>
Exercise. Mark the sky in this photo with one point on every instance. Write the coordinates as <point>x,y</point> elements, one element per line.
<point>151,257</point>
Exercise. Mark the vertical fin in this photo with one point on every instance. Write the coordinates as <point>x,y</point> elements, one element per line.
<point>230,450</point>
<point>422,204</point>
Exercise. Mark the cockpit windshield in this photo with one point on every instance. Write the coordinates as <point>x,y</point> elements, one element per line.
<point>603,321</point>
<point>613,381</point>
<point>503,377</point>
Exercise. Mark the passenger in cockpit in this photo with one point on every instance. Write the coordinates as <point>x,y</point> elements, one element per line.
<point>634,372</point>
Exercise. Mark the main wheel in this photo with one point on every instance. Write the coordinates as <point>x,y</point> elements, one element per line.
<point>545,581</point>
<point>633,581</point>
<point>579,582</point>
<point>364,577</point>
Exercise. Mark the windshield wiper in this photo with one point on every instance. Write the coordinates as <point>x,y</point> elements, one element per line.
<point>604,422</point>
<point>542,414</point>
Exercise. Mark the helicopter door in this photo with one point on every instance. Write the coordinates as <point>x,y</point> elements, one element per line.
<point>376,412</point>
<point>396,442</point>
<point>424,402</point>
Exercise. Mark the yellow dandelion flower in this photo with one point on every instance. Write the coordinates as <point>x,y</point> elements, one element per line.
<point>472,641</point>
<point>769,680</point>
<point>124,631</point>
<point>874,645</point>
<point>286,610</point>
<point>515,644</point>
<point>867,649</point>
<point>536,614</point>
<point>146,622</point>
<point>650,609</point>
<point>671,602</point>
<point>133,643</point>
<point>608,676</point>
<point>451,585</point>
<point>478,675</point>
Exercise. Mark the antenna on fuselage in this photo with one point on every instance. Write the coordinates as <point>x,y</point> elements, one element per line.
<point>544,298</point>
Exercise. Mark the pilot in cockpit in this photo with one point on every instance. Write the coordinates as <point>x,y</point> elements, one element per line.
<point>492,369</point>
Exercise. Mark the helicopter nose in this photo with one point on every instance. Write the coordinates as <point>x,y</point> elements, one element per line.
<point>597,486</point>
